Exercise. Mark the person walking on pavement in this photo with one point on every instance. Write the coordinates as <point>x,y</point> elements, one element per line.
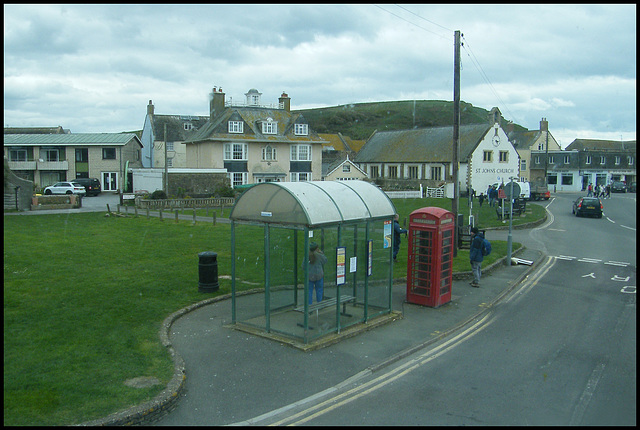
<point>317,260</point>
<point>397,231</point>
<point>475,256</point>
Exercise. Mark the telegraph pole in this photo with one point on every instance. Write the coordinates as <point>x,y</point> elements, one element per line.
<point>456,137</point>
<point>166,167</point>
<point>546,157</point>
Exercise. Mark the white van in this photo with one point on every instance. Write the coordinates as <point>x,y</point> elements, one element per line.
<point>525,188</point>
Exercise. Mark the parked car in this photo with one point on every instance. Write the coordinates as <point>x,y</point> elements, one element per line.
<point>65,188</point>
<point>618,187</point>
<point>588,206</point>
<point>92,185</point>
<point>632,187</point>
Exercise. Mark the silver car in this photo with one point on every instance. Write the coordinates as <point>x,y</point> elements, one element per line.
<point>65,188</point>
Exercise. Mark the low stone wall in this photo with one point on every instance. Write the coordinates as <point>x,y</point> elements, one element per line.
<point>68,201</point>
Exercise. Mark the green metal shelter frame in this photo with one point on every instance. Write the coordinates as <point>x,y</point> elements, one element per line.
<point>352,221</point>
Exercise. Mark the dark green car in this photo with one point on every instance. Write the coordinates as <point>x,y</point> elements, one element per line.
<point>618,187</point>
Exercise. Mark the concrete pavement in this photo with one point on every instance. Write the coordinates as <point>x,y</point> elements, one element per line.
<point>237,378</point>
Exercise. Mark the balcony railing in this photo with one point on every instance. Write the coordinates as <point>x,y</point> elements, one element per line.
<point>53,165</point>
<point>22,165</point>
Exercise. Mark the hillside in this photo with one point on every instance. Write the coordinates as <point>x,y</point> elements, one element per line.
<point>360,120</point>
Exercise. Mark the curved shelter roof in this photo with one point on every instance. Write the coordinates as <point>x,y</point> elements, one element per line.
<point>312,203</point>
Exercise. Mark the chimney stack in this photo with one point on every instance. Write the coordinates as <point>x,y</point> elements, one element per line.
<point>285,102</point>
<point>216,106</point>
<point>544,124</point>
<point>150,108</point>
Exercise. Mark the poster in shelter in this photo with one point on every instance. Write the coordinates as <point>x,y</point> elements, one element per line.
<point>341,265</point>
<point>387,234</point>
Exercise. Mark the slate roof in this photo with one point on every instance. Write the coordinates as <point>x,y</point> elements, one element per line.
<point>433,144</point>
<point>175,126</point>
<point>335,164</point>
<point>75,139</point>
<point>341,143</point>
<point>35,130</point>
<point>523,139</point>
<point>602,145</point>
<point>217,129</point>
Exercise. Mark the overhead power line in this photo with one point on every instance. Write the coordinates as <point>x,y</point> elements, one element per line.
<point>465,46</point>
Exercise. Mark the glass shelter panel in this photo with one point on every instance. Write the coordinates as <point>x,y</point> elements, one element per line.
<point>249,273</point>
<point>283,273</point>
<point>379,281</point>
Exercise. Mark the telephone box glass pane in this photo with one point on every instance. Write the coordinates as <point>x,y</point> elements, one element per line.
<point>421,270</point>
<point>446,258</point>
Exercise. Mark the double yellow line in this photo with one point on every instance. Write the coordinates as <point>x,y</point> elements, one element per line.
<point>384,379</point>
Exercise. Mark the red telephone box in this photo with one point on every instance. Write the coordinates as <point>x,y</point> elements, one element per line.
<point>430,262</point>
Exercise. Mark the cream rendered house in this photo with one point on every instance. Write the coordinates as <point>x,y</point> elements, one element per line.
<point>256,143</point>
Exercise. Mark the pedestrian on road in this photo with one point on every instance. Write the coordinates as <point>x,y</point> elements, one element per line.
<point>397,231</point>
<point>317,260</point>
<point>475,255</point>
<point>590,190</point>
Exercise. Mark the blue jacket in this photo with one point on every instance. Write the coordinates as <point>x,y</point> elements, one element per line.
<point>397,231</point>
<point>475,253</point>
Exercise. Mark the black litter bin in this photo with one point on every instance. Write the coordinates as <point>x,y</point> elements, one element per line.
<point>208,272</point>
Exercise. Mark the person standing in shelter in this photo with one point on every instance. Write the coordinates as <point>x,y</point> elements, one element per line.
<point>397,231</point>
<point>317,260</point>
<point>475,256</point>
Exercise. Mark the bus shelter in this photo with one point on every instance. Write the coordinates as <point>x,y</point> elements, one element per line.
<point>274,224</point>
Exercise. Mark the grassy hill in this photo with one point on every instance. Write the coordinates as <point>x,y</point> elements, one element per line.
<point>360,120</point>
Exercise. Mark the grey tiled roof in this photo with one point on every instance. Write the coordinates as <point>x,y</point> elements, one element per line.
<point>433,144</point>
<point>117,139</point>
<point>175,126</point>
<point>600,145</point>
<point>217,129</point>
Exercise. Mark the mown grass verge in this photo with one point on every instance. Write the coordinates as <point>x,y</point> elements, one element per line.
<point>85,295</point>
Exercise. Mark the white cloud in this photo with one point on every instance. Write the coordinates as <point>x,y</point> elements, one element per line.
<point>93,68</point>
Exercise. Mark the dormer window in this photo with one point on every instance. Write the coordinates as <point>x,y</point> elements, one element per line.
<point>188,126</point>
<point>301,129</point>
<point>269,126</point>
<point>236,127</point>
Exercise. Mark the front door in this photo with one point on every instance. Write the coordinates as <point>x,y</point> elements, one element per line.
<point>109,181</point>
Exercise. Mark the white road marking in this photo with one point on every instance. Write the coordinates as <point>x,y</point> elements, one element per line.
<point>589,260</point>
<point>616,263</point>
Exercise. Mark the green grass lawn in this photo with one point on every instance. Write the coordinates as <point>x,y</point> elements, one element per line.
<point>85,295</point>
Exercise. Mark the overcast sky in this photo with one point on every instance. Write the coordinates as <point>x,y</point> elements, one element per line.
<point>94,68</point>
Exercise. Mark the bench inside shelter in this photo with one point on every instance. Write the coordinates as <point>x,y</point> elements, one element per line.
<point>326,303</point>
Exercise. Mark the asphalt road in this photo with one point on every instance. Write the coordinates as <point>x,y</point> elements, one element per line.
<point>559,350</point>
